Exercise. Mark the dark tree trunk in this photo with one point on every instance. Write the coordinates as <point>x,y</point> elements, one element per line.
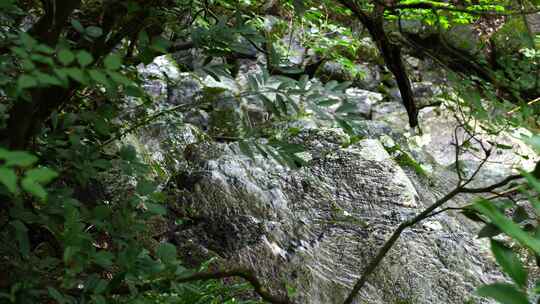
<point>391,54</point>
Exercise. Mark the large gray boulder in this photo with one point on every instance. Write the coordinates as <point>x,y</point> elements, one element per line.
<point>315,229</point>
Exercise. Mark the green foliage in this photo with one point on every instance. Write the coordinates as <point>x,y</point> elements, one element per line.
<point>403,158</point>
<point>64,105</point>
<point>503,293</point>
<point>510,262</point>
<point>33,179</point>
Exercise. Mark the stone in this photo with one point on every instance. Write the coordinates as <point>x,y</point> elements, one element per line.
<point>393,113</point>
<point>315,228</point>
<point>368,78</point>
<point>463,37</point>
<point>364,100</point>
<point>333,70</point>
<point>368,51</point>
<point>425,89</point>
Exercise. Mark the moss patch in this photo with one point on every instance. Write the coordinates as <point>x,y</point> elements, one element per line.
<point>404,159</point>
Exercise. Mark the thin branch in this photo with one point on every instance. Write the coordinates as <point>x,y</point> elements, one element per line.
<point>442,7</point>
<point>444,210</point>
<point>245,274</point>
<point>528,103</point>
<point>392,240</point>
<point>491,188</point>
<point>145,122</point>
<point>426,213</point>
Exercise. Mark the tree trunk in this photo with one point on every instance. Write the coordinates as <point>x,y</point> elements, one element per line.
<point>391,54</point>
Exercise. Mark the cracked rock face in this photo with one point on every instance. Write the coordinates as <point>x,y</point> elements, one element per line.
<point>315,229</point>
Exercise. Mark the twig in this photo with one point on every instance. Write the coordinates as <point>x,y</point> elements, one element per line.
<point>144,122</point>
<point>494,186</point>
<point>432,6</point>
<point>245,274</point>
<point>528,103</point>
<point>392,240</point>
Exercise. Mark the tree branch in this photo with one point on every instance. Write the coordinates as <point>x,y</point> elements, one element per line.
<point>245,274</point>
<point>441,7</point>
<point>491,188</point>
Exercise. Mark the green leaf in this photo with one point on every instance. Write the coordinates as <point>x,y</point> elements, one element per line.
<point>143,38</point>
<point>299,7</point>
<point>509,262</point>
<point>84,58</point>
<point>69,253</point>
<point>507,225</point>
<point>47,80</point>
<point>99,77</point>
<point>9,179</point>
<point>113,62</point>
<point>5,4</point>
<point>94,31</point>
<point>21,234</point>
<point>155,208</point>
<point>346,126</point>
<point>45,49</point>
<point>532,180</point>
<point>503,293</point>
<point>62,76</point>
<point>55,294</point>
<point>160,44</point>
<point>27,40</point>
<point>34,188</point>
<point>41,175</point>
<point>77,25</point>
<point>133,91</point>
<point>503,146</point>
<point>119,78</point>
<point>26,81</point>
<point>99,299</point>
<point>17,158</point>
<point>245,148</point>
<point>65,56</point>
<point>520,215</point>
<point>76,74</point>
<point>347,107</point>
<point>166,252</point>
<point>488,231</point>
<point>101,286</point>
<point>104,259</point>
<point>145,187</point>
<point>42,59</point>
<point>470,213</point>
<point>128,153</point>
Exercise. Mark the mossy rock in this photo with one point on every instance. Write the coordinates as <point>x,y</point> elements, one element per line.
<point>511,37</point>
<point>333,70</point>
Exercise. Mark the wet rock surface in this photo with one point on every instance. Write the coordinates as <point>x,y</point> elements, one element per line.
<point>315,228</point>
